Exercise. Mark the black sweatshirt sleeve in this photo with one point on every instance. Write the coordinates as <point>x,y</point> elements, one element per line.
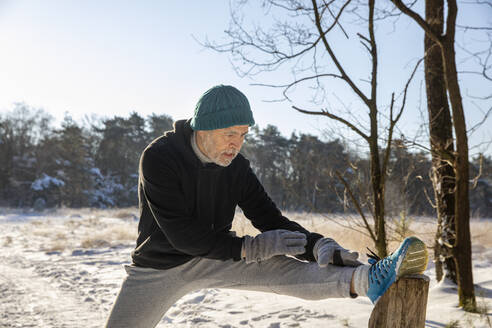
<point>166,200</point>
<point>264,214</point>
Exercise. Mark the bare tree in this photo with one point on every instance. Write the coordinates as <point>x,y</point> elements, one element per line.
<point>462,244</point>
<point>441,143</point>
<point>291,42</point>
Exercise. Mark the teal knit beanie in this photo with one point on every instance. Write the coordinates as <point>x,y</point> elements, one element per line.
<point>221,107</point>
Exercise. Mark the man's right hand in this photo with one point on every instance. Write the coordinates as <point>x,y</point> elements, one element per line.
<point>272,243</point>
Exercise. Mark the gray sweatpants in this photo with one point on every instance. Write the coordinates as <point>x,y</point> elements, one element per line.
<point>146,294</point>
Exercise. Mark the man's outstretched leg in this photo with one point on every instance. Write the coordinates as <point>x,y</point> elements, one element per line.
<point>146,294</point>
<point>287,276</point>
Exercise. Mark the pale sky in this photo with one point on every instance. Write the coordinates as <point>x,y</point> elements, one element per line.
<point>112,57</point>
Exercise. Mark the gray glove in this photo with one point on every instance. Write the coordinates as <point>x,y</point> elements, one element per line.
<point>273,242</point>
<point>327,251</point>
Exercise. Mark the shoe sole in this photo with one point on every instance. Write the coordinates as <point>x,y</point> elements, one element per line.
<point>415,259</point>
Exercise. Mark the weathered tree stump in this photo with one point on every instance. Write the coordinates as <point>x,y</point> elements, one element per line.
<point>403,305</point>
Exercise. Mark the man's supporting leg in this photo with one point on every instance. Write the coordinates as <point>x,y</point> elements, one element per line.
<point>145,296</point>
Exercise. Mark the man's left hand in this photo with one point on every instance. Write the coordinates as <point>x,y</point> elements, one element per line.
<point>327,251</point>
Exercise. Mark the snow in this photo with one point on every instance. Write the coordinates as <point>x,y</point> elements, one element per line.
<point>64,269</point>
<point>45,182</point>
<point>96,171</point>
<point>105,189</point>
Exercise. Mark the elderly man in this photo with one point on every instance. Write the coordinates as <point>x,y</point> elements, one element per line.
<point>191,180</point>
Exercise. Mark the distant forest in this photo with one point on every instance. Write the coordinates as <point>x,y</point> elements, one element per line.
<point>95,164</point>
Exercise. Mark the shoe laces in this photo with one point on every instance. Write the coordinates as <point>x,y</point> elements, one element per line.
<point>373,257</point>
<point>380,268</point>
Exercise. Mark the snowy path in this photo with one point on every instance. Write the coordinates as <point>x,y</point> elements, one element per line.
<point>29,300</point>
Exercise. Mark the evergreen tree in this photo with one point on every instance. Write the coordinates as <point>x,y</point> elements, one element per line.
<point>121,144</point>
<point>20,132</point>
<point>73,163</point>
<point>158,124</point>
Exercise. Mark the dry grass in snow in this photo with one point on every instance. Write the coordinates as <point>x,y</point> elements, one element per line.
<point>93,228</point>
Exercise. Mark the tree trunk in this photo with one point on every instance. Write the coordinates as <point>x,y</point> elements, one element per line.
<point>378,198</point>
<point>441,142</point>
<point>462,247</point>
<point>403,305</point>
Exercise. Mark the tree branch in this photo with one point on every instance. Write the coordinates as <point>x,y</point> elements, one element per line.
<point>451,20</point>
<point>475,179</point>
<point>356,204</point>
<point>336,118</point>
<point>374,54</point>
<point>476,126</point>
<point>290,85</point>
<point>334,58</point>
<point>388,144</point>
<point>405,90</point>
<point>336,18</point>
<point>481,28</point>
<point>418,19</point>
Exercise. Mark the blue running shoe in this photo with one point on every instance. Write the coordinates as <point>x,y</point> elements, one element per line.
<point>410,258</point>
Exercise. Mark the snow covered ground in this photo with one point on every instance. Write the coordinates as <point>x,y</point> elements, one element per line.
<point>64,269</point>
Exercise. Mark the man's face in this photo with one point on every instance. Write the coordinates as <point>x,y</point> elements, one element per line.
<point>221,146</point>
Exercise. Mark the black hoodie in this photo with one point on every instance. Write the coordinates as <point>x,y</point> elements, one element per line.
<point>187,207</point>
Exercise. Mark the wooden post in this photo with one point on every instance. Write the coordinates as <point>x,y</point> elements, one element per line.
<point>403,305</point>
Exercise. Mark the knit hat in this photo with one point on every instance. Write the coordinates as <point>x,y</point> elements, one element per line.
<point>221,107</point>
